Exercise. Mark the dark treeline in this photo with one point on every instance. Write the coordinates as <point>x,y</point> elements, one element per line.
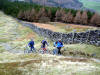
<point>38,13</point>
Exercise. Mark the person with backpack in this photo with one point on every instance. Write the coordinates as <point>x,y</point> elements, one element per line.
<point>31,45</point>
<point>44,43</point>
<point>59,45</point>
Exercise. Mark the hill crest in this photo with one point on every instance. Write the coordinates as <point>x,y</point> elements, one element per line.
<point>74,4</point>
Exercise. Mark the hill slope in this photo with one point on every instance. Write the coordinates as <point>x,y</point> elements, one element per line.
<point>14,37</point>
<point>75,4</point>
<point>91,4</point>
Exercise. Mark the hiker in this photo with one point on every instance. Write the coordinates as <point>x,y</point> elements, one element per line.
<point>31,45</point>
<point>44,43</point>
<point>59,45</point>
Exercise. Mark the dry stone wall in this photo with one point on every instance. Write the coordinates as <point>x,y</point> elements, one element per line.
<point>89,37</point>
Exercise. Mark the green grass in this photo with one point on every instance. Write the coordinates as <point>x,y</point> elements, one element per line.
<point>2,49</point>
<point>1,24</point>
<point>89,49</point>
<point>91,4</point>
<point>84,73</point>
<point>66,28</point>
<point>4,40</point>
<point>23,31</point>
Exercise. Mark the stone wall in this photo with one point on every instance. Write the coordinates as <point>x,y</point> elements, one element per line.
<point>89,37</point>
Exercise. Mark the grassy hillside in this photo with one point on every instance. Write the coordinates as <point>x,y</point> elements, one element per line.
<point>91,4</point>
<point>14,36</point>
<point>65,27</point>
<point>13,40</point>
<point>34,64</point>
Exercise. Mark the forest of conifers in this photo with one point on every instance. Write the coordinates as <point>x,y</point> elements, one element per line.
<point>37,13</point>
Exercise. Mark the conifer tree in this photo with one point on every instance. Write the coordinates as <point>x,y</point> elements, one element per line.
<point>59,15</point>
<point>77,18</point>
<point>32,15</point>
<point>95,20</point>
<point>68,17</point>
<point>84,17</point>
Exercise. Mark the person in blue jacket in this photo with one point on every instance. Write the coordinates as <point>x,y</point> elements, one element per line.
<point>44,43</point>
<point>59,45</point>
<point>31,45</point>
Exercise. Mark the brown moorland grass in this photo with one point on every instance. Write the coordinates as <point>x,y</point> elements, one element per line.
<point>46,26</point>
<point>62,27</point>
